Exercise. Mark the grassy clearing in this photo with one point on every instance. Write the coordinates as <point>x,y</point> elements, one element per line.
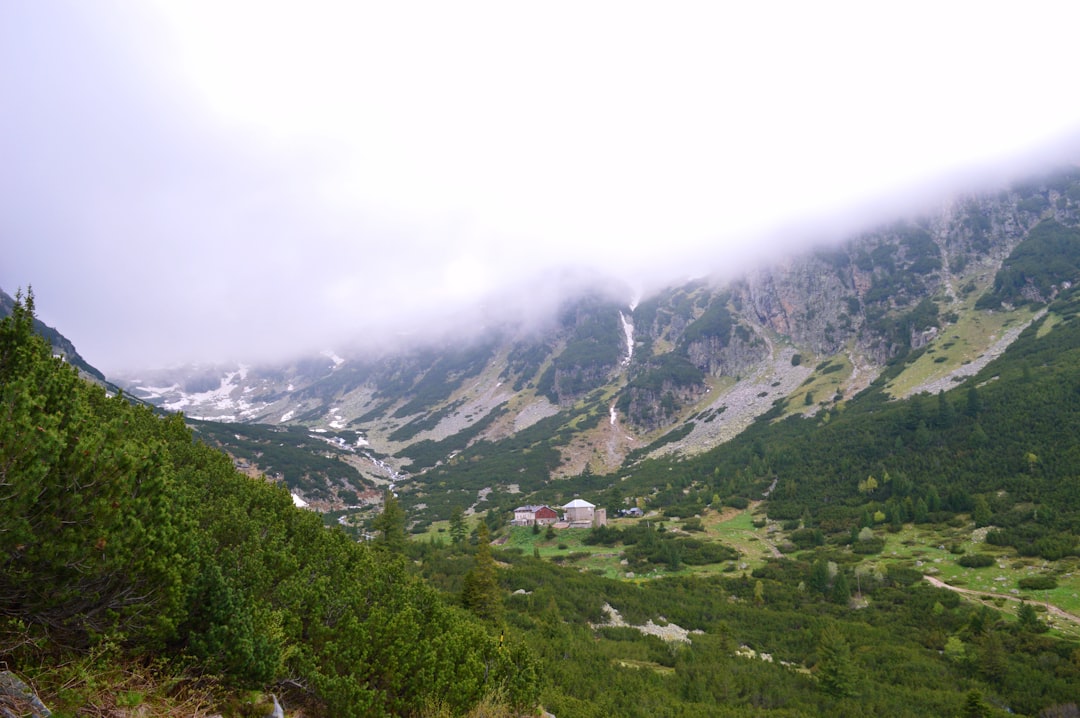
<point>823,387</point>
<point>1052,320</point>
<point>568,548</point>
<point>732,527</point>
<point>936,549</point>
<point>736,529</point>
<point>440,530</point>
<point>932,549</point>
<point>650,665</point>
<point>957,345</point>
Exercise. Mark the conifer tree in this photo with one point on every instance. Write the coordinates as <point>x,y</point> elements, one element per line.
<point>841,590</point>
<point>975,706</point>
<point>457,526</point>
<point>480,591</point>
<point>819,576</point>
<point>836,671</point>
<point>391,524</point>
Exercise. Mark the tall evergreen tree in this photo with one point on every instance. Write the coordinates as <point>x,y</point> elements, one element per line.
<point>841,590</point>
<point>974,402</point>
<point>457,526</point>
<point>480,591</point>
<point>391,524</point>
<point>975,706</point>
<point>836,670</point>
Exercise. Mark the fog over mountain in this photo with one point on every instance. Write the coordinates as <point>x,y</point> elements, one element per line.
<point>205,181</point>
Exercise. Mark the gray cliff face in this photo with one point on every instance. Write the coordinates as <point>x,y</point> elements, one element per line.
<point>716,357</point>
<point>808,301</point>
<point>823,301</point>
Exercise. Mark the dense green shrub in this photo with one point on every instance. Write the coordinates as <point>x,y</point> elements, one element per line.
<point>976,560</point>
<point>1037,583</point>
<point>118,526</point>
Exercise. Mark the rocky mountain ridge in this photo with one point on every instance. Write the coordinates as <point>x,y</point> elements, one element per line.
<point>681,370</point>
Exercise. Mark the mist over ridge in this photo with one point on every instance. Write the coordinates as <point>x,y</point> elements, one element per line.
<point>178,189</point>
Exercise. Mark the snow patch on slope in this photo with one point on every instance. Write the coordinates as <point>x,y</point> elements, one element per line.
<point>338,361</point>
<point>225,403</point>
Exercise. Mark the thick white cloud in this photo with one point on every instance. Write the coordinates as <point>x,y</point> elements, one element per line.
<point>210,179</point>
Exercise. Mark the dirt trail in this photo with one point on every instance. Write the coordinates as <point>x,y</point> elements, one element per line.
<point>772,548</point>
<point>1050,608</point>
<point>764,539</point>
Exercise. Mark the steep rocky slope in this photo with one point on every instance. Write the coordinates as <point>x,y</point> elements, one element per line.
<point>681,370</point>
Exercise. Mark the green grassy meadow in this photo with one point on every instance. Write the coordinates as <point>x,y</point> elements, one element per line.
<point>932,549</point>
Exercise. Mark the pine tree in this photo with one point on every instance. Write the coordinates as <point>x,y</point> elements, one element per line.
<point>993,660</point>
<point>841,590</point>
<point>819,576</point>
<point>480,592</point>
<point>1028,619</point>
<point>975,706</point>
<point>391,524</point>
<point>974,402</point>
<point>457,526</point>
<point>836,671</point>
<point>946,414</point>
<point>981,512</point>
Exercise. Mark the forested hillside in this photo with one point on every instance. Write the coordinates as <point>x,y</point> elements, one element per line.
<point>887,524</point>
<point>123,542</point>
<point>1006,441</point>
<point>840,622</point>
<point>128,544</point>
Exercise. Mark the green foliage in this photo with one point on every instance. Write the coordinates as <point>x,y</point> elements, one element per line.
<point>524,361</point>
<point>836,670</point>
<point>60,345</point>
<point>1037,583</point>
<point>390,524</point>
<point>450,368</point>
<point>975,706</point>
<point>1048,256</point>
<point>457,525</point>
<point>663,372</point>
<point>943,452</point>
<point>292,453</point>
<point>480,591</point>
<point>88,538</point>
<point>672,436</point>
<point>594,346</point>
<point>425,454</point>
<point>890,657</point>
<point>715,324</point>
<point>1028,619</point>
<point>119,529</point>
<point>425,422</point>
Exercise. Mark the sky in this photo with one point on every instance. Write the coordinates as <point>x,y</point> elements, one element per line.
<point>215,180</point>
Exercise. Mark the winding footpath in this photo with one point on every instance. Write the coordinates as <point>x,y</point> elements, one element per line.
<point>986,595</point>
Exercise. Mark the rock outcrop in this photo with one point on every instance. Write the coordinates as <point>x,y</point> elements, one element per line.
<point>18,700</point>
